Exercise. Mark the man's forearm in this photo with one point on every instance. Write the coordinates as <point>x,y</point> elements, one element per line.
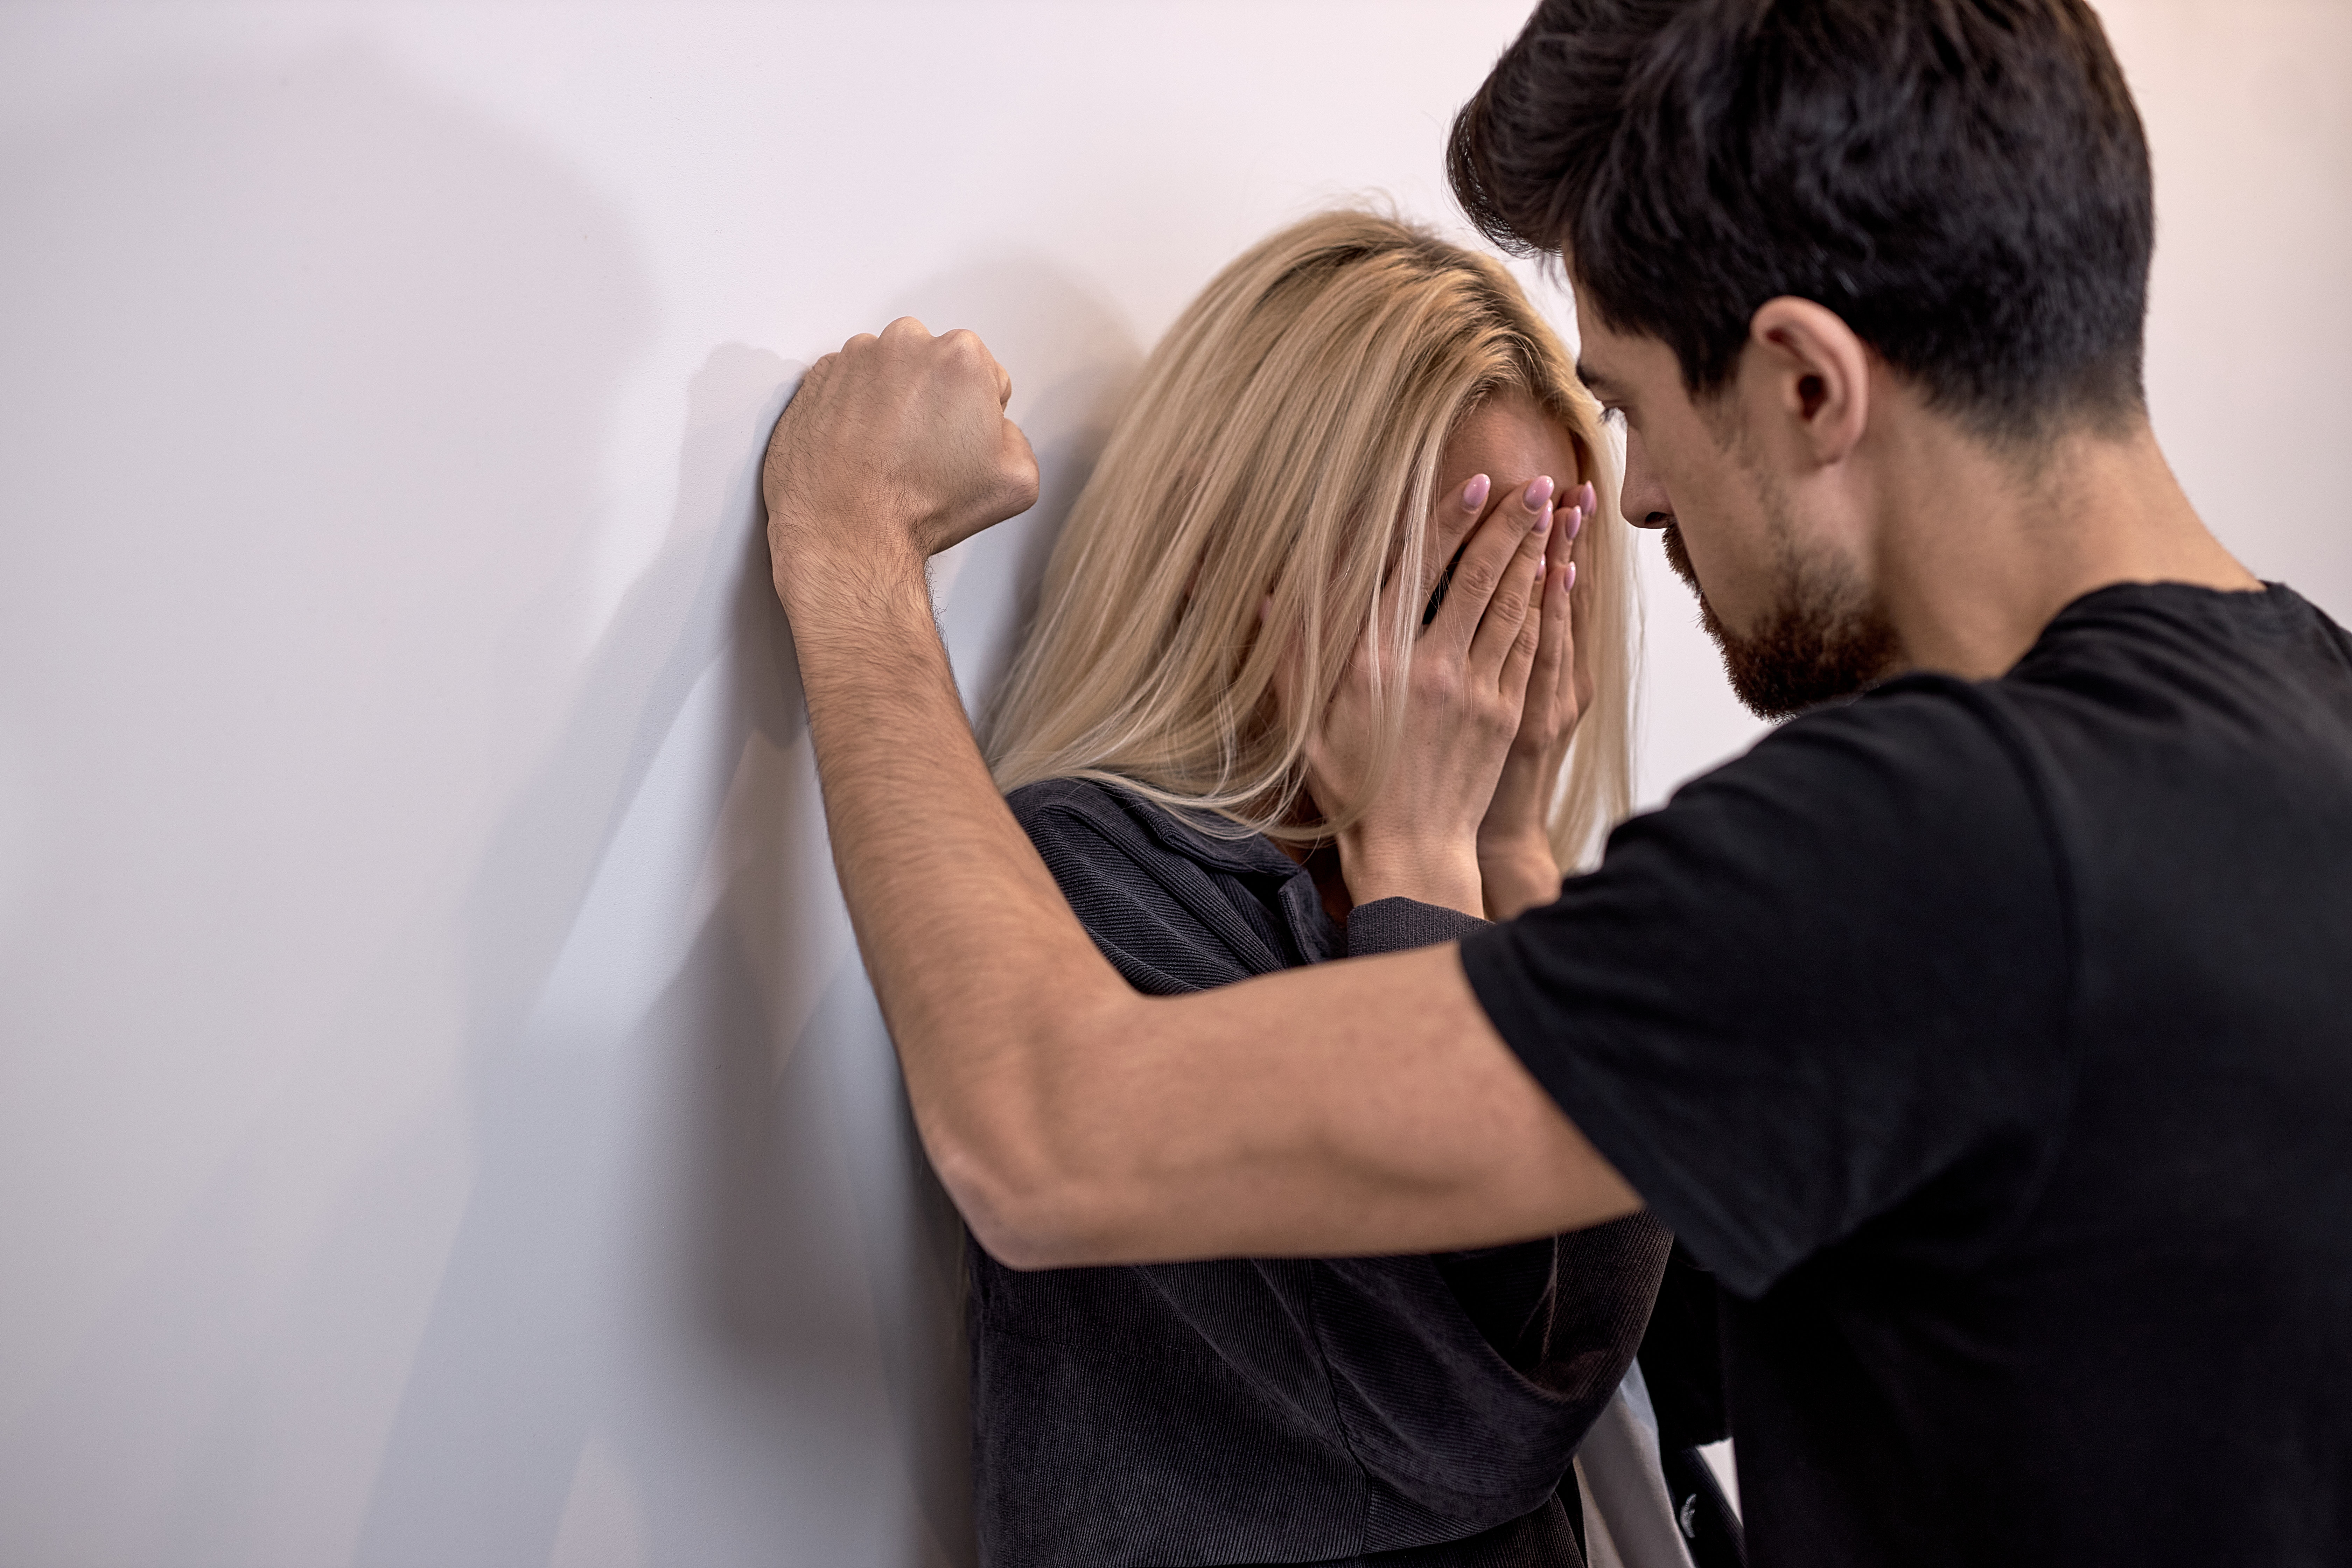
<point>974,954</point>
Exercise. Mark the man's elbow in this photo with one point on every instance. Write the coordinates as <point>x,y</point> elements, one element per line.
<point>1023,1163</point>
<point>1027,1212</point>
<point>1027,1230</point>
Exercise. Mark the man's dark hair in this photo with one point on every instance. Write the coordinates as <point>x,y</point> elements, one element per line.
<point>1964,182</point>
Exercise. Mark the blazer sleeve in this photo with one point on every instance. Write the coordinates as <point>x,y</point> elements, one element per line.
<point>1394,925</point>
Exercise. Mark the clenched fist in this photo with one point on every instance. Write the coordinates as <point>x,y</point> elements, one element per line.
<point>892,449</point>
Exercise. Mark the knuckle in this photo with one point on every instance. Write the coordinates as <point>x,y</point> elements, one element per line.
<point>1490,573</point>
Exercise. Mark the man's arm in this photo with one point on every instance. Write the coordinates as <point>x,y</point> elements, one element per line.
<point>1358,1107</point>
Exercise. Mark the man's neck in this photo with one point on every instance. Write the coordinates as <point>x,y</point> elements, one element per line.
<point>1981,550</point>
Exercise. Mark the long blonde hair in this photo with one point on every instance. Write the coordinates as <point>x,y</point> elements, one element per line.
<point>1286,441</point>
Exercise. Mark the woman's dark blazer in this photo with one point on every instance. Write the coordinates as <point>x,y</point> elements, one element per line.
<point>1395,1411</point>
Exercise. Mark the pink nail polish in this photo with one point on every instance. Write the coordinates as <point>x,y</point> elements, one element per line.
<point>1575,522</point>
<point>1473,494</point>
<point>1538,492</point>
<point>1571,575</point>
<point>1586,498</point>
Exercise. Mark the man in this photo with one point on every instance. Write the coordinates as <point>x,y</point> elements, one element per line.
<point>1990,1035</point>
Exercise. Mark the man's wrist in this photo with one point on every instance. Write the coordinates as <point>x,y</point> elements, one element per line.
<point>819,576</point>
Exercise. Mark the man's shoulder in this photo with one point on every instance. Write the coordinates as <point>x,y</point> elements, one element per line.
<point>2154,657</point>
<point>1920,738</point>
<point>2130,690</point>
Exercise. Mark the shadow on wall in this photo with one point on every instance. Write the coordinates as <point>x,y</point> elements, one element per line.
<point>704,1301</point>
<point>701,1303</point>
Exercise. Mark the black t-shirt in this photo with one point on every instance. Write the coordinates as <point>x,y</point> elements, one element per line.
<point>1993,1044</point>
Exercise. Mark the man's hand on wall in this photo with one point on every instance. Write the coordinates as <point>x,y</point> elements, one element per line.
<point>891,451</point>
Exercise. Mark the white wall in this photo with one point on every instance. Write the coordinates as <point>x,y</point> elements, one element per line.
<point>442,1120</point>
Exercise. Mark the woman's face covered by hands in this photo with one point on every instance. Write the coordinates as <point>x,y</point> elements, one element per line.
<point>1458,818</point>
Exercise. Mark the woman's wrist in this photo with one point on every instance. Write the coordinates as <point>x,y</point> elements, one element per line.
<point>1517,875</point>
<point>1447,875</point>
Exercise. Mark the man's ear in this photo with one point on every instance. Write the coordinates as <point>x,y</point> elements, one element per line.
<point>1805,365</point>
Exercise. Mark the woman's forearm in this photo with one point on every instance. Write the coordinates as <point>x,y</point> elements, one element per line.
<point>1519,875</point>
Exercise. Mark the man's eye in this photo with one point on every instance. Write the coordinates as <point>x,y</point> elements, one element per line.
<point>1613,417</point>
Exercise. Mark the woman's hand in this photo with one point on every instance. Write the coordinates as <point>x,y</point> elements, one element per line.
<point>1417,835</point>
<point>1515,863</point>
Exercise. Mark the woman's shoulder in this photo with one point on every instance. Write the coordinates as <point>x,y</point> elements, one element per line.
<point>1085,815</point>
<point>1097,812</point>
<point>1173,903</point>
<point>1048,798</point>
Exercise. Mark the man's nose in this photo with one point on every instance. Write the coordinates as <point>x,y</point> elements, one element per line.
<point>1643,498</point>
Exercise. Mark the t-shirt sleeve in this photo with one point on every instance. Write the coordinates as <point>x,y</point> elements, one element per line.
<point>1826,981</point>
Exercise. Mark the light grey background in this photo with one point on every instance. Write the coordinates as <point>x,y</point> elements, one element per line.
<point>442,1119</point>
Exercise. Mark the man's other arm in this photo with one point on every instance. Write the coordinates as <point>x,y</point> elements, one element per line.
<point>1362,1107</point>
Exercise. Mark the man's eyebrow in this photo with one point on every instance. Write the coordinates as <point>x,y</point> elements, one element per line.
<point>1599,385</point>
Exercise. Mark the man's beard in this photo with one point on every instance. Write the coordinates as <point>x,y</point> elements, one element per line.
<point>1823,638</point>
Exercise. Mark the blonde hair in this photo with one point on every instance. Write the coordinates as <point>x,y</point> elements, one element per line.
<point>1286,441</point>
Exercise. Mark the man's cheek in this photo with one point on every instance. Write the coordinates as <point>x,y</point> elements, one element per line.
<point>1721,573</point>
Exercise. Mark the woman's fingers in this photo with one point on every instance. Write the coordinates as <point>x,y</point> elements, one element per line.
<point>1582,681</point>
<point>1559,632</point>
<point>1554,662</point>
<point>1480,567</point>
<point>1505,598</point>
<point>1576,675</point>
<point>1527,648</point>
<point>1566,674</point>
<point>1448,530</point>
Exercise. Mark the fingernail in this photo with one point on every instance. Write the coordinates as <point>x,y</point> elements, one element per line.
<point>1586,498</point>
<point>1543,521</point>
<point>1473,494</point>
<point>1571,575</point>
<point>1538,493</point>
<point>1575,523</point>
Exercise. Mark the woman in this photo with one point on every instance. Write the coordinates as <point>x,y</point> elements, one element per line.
<point>1302,683</point>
